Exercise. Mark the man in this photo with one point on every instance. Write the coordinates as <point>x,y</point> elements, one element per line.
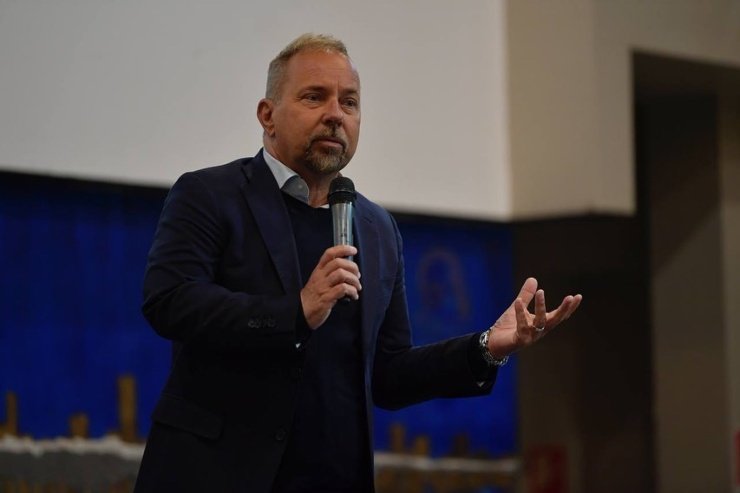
<point>273,378</point>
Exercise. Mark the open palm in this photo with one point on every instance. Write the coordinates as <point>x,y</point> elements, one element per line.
<point>517,328</point>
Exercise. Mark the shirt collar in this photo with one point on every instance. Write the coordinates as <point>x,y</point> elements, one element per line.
<point>288,180</point>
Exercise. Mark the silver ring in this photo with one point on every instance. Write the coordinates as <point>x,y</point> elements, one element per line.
<point>539,329</point>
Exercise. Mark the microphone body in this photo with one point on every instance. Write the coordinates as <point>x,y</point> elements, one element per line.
<point>341,200</point>
<point>341,220</point>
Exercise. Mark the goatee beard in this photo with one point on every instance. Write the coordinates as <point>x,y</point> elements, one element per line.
<point>325,161</point>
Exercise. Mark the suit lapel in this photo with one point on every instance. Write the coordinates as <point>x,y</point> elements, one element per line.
<point>366,239</point>
<point>267,205</point>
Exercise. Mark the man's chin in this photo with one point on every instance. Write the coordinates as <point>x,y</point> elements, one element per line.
<point>326,163</point>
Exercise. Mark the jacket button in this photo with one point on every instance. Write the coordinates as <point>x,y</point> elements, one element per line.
<point>280,434</point>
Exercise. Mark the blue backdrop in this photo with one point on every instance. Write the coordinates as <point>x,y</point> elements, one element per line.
<point>72,257</point>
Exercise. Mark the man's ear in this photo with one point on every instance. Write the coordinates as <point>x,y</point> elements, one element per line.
<point>264,114</point>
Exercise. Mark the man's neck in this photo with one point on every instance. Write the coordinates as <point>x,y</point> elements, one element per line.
<point>318,184</point>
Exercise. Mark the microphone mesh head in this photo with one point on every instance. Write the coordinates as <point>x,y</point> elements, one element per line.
<point>341,190</point>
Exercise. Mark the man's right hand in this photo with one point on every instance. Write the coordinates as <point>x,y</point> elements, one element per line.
<point>333,278</point>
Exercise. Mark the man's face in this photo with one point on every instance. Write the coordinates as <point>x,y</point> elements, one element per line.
<point>315,123</point>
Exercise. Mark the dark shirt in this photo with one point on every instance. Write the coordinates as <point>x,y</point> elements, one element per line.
<point>327,447</point>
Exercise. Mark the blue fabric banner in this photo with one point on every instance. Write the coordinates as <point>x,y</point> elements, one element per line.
<point>72,257</point>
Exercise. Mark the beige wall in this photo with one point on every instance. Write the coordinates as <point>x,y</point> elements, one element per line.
<point>570,87</point>
<point>553,110</point>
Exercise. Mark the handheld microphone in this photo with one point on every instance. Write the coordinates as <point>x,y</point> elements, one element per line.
<point>341,199</point>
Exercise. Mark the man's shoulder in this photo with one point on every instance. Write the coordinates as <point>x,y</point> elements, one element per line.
<point>230,175</point>
<point>374,211</point>
<point>226,171</point>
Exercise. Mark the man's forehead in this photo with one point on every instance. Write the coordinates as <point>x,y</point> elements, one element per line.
<point>318,65</point>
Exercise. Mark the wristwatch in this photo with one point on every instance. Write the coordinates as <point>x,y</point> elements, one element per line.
<point>490,359</point>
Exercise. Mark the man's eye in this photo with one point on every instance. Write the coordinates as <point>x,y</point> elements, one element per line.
<point>313,97</point>
<point>351,103</point>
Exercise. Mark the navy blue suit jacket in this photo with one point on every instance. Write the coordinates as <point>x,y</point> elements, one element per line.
<point>223,283</point>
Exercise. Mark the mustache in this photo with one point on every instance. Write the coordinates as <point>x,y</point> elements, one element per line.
<point>331,135</point>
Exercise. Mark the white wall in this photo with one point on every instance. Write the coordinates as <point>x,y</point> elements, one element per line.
<point>143,91</point>
<point>489,109</point>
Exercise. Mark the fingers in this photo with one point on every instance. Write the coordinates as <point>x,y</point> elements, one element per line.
<point>540,313</point>
<point>560,313</point>
<point>522,321</point>
<point>339,278</point>
<point>343,274</point>
<point>335,270</point>
<point>334,278</point>
<point>526,333</point>
<point>336,252</point>
<point>528,290</point>
<point>541,318</point>
<point>567,307</point>
<point>576,302</point>
<point>516,328</point>
<point>526,324</point>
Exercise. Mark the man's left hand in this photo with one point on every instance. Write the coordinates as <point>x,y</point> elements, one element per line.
<point>517,328</point>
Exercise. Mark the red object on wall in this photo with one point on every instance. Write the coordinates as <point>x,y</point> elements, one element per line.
<point>546,469</point>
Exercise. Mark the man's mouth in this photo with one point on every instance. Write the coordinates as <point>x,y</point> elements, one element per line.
<point>330,141</point>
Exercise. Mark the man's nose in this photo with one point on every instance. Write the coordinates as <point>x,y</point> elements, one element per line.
<point>334,114</point>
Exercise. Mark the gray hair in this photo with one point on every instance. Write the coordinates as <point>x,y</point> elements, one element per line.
<point>304,42</point>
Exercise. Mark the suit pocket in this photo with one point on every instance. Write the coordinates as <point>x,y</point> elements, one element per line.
<point>179,413</point>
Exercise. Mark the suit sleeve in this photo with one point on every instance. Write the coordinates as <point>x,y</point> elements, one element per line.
<point>181,300</point>
<point>404,374</point>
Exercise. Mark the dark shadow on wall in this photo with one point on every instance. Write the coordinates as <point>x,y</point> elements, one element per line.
<point>586,391</point>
